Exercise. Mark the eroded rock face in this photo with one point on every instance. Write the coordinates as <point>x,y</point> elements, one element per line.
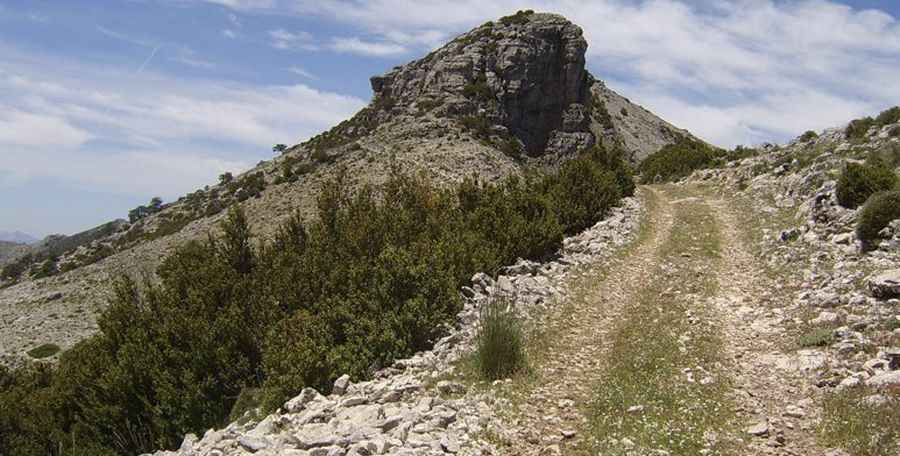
<point>527,77</point>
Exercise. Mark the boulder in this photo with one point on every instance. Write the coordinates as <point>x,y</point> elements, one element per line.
<point>885,285</point>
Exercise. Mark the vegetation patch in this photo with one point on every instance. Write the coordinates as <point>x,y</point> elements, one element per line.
<point>858,182</point>
<point>667,392</point>
<point>678,160</point>
<point>879,211</point>
<point>520,17</point>
<point>500,351</point>
<point>816,337</point>
<point>43,351</point>
<point>374,278</point>
<point>862,421</point>
<point>857,129</point>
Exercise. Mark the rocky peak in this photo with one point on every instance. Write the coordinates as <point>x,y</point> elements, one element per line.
<point>521,78</point>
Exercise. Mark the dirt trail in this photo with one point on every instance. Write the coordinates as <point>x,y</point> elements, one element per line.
<point>551,418</point>
<point>770,384</point>
<point>724,288</point>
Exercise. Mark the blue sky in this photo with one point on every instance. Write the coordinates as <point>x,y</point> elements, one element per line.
<point>104,104</point>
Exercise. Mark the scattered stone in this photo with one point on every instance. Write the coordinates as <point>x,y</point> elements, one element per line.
<point>448,387</point>
<point>886,285</point>
<point>760,429</point>
<point>340,385</point>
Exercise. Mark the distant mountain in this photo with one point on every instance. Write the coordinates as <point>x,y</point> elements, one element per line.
<point>18,237</point>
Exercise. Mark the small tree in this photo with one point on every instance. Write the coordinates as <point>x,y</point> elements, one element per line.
<point>225,178</point>
<point>279,148</point>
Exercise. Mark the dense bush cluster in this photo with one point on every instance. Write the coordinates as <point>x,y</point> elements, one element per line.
<point>375,277</point>
<point>140,212</point>
<point>859,181</point>
<point>679,160</point>
<point>880,209</point>
<point>808,136</point>
<point>858,128</point>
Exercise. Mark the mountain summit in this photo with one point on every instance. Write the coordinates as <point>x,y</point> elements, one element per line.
<point>518,85</point>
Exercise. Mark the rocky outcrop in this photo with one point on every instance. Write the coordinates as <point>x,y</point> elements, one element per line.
<point>408,409</point>
<point>526,76</point>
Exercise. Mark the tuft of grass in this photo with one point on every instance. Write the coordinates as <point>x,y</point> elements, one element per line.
<point>500,349</point>
<point>43,351</point>
<point>817,337</point>
<point>860,426</point>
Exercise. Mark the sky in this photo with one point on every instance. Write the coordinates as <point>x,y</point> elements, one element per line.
<point>105,104</point>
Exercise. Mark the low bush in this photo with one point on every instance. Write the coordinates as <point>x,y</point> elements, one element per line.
<point>879,211</point>
<point>520,17</point>
<point>679,160</point>
<point>858,128</point>
<point>808,136</point>
<point>817,337</point>
<point>500,345</point>
<point>888,116</point>
<point>859,181</point>
<point>478,89</point>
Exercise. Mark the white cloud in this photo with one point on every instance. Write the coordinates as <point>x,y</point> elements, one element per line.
<point>116,131</point>
<point>283,39</point>
<point>228,33</point>
<point>190,58</point>
<point>366,48</point>
<point>301,72</point>
<point>21,128</point>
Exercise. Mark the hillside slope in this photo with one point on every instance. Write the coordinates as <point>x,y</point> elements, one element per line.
<point>500,99</point>
<point>773,333</point>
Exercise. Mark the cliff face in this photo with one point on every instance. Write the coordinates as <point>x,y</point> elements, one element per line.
<point>525,75</point>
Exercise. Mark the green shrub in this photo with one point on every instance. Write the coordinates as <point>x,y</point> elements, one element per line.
<point>478,125</point>
<point>520,17</point>
<point>808,136</point>
<point>818,337</point>
<point>511,147</point>
<point>678,160</point>
<point>888,116</point>
<point>858,128</point>
<point>43,351</point>
<point>859,181</point>
<point>584,193</point>
<point>895,132</point>
<point>478,89</point>
<point>741,152</point>
<point>878,212</point>
<point>500,346</point>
